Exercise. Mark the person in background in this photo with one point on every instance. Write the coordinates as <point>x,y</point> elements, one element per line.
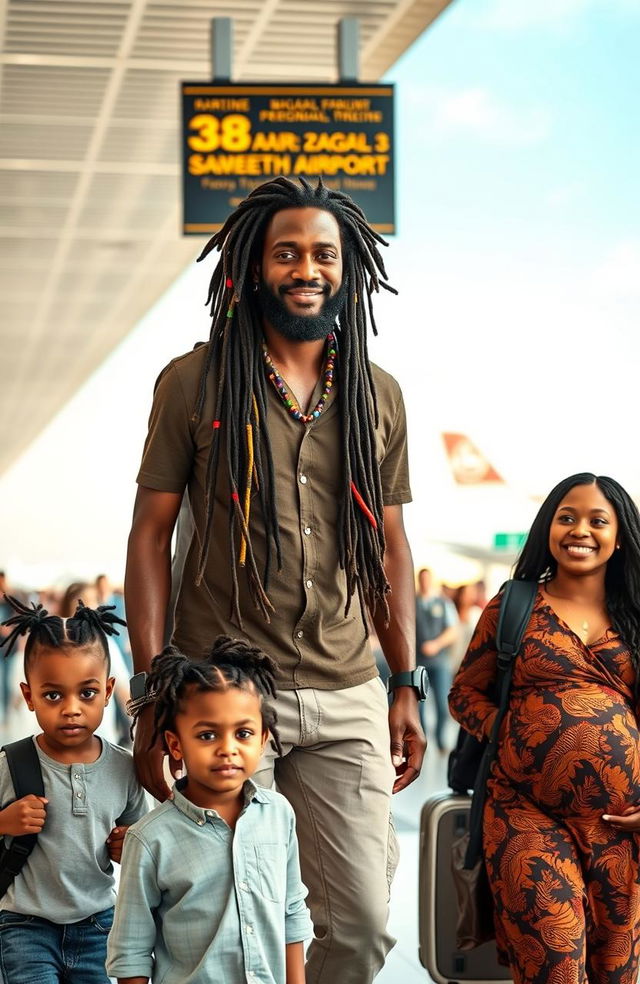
<point>481,594</point>
<point>436,634</point>
<point>469,612</point>
<point>110,595</point>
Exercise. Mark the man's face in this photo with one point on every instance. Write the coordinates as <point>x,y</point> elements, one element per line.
<point>301,273</point>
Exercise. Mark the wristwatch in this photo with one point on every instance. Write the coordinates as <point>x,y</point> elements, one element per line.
<point>417,679</point>
<point>138,685</point>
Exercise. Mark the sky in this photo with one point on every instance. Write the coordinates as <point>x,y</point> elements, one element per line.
<point>518,265</point>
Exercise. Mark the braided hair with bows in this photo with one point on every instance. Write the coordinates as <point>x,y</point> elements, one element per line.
<point>240,431</point>
<point>85,628</point>
<point>229,663</point>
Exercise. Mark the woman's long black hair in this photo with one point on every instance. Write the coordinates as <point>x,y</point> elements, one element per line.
<point>622,578</point>
<point>240,420</point>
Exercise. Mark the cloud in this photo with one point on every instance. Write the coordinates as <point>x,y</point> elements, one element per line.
<point>619,272</point>
<point>478,112</point>
<point>519,15</point>
<point>567,194</point>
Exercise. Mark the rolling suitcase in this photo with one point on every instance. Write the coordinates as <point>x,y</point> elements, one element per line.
<point>443,819</point>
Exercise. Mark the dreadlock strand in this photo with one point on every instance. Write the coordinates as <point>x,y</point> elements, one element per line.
<point>212,463</point>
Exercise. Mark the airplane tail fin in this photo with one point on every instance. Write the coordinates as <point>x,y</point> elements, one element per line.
<point>468,464</point>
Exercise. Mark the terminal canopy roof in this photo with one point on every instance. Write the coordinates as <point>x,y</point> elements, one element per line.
<point>89,162</point>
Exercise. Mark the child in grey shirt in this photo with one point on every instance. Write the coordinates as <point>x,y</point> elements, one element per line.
<point>56,915</point>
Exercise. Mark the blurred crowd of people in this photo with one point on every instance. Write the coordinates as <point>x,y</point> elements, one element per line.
<point>15,719</point>
<point>446,616</point>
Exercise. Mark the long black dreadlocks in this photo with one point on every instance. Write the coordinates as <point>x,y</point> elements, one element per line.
<point>240,413</point>
<point>86,627</point>
<point>229,663</point>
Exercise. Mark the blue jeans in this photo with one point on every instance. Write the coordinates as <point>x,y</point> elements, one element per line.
<point>439,674</point>
<point>36,951</point>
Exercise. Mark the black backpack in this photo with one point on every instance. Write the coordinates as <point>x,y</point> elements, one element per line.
<point>26,775</point>
<point>470,761</point>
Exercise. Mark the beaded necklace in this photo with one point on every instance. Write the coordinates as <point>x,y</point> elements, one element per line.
<point>283,392</point>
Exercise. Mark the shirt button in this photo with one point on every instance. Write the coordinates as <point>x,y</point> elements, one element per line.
<point>250,930</point>
<point>209,813</point>
<point>244,886</point>
<point>299,634</point>
<point>200,822</point>
<point>307,531</point>
<point>77,775</point>
<point>303,479</point>
<point>309,583</point>
<point>79,795</point>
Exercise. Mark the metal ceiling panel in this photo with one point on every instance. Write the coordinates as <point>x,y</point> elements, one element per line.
<point>89,162</point>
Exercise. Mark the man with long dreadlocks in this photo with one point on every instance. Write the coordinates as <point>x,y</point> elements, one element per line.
<point>292,447</point>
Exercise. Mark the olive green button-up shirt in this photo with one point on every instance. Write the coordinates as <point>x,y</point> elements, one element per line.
<point>308,635</point>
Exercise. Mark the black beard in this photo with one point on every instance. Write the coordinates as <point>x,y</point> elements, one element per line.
<point>300,327</point>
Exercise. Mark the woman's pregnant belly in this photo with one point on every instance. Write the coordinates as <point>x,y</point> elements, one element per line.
<point>573,751</point>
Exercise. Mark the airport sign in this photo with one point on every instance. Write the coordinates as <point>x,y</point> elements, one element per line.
<point>235,137</point>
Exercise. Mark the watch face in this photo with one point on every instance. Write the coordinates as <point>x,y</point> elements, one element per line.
<point>423,683</point>
<point>138,685</point>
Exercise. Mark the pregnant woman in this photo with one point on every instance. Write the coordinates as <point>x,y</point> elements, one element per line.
<point>562,817</point>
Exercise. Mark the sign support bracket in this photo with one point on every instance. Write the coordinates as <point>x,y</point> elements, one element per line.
<point>221,48</point>
<point>348,43</point>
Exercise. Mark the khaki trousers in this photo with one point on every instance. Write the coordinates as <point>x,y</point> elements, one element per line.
<point>337,774</point>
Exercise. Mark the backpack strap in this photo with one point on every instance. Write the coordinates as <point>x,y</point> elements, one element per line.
<point>26,775</point>
<point>517,603</point>
<point>515,611</point>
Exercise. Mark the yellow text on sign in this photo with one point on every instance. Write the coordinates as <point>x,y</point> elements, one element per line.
<point>230,133</point>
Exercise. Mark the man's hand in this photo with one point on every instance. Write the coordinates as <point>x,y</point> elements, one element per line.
<point>149,760</point>
<point>115,840</point>
<point>25,816</point>
<point>408,742</point>
<point>629,819</point>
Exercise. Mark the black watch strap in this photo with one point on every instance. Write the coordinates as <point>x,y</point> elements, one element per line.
<point>138,685</point>
<point>417,679</point>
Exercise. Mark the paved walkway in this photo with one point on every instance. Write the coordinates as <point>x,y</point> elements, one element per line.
<point>403,965</point>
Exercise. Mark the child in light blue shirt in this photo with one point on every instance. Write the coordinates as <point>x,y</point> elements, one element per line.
<point>210,888</point>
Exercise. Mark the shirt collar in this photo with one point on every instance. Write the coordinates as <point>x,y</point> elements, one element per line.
<point>198,814</point>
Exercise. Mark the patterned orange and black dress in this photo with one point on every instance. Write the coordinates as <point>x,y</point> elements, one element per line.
<point>565,882</point>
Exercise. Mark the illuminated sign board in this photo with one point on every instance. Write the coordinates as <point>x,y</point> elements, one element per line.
<point>235,137</point>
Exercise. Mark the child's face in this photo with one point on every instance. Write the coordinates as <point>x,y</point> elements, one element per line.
<point>68,690</point>
<point>219,737</point>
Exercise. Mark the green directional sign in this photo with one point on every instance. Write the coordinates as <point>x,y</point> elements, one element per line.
<point>508,541</point>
